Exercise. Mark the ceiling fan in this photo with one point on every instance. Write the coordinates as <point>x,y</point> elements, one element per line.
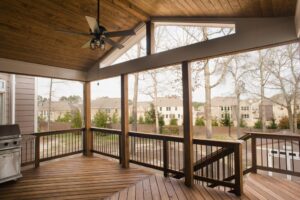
<point>99,35</point>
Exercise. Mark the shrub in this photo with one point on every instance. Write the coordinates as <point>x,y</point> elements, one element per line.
<point>284,123</point>
<point>141,120</point>
<point>226,121</point>
<point>173,122</point>
<point>76,120</point>
<point>199,121</point>
<point>214,122</point>
<point>100,119</point>
<point>273,124</point>
<point>243,124</point>
<point>258,124</point>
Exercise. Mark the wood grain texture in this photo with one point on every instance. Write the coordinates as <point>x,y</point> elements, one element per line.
<point>80,177</point>
<point>256,187</point>
<point>72,178</point>
<point>27,28</point>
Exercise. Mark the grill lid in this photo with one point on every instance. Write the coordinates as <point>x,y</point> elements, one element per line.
<point>9,130</point>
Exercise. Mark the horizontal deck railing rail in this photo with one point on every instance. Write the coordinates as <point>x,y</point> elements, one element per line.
<point>272,152</point>
<point>57,144</point>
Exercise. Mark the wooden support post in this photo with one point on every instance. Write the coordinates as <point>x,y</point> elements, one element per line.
<point>238,169</point>
<point>88,137</point>
<point>150,44</point>
<point>253,150</point>
<point>124,122</point>
<point>37,152</point>
<point>166,157</point>
<point>187,124</point>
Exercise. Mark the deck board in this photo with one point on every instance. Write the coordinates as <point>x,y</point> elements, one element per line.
<point>98,178</point>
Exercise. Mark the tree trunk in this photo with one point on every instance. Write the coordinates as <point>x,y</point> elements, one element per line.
<point>155,104</point>
<point>237,114</point>
<point>49,105</point>
<point>295,108</point>
<point>262,98</point>
<point>290,115</point>
<point>134,102</point>
<point>208,126</point>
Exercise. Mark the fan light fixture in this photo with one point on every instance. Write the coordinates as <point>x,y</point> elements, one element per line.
<point>100,36</point>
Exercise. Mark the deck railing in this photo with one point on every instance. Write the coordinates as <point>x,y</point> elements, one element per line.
<point>215,161</point>
<point>27,150</point>
<point>106,142</point>
<point>272,152</point>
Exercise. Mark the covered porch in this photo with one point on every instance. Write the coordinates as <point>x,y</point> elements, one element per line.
<point>73,164</point>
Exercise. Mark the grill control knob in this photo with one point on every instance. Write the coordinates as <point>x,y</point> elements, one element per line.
<point>6,144</point>
<point>15,142</point>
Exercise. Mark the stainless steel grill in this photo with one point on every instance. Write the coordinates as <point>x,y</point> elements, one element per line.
<point>10,153</point>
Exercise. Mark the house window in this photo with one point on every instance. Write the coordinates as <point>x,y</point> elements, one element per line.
<point>160,108</point>
<point>168,108</point>
<point>222,108</point>
<point>175,108</point>
<point>166,116</point>
<point>178,116</point>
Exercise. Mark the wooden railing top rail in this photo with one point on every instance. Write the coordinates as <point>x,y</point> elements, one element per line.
<point>220,143</point>
<point>57,132</point>
<point>273,135</point>
<point>106,130</point>
<point>156,136</point>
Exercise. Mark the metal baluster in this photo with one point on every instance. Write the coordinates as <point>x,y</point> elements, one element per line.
<point>292,148</point>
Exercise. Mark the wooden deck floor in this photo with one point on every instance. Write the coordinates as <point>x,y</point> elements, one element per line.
<point>97,178</point>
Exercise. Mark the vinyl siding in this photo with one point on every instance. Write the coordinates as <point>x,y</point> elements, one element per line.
<point>25,94</point>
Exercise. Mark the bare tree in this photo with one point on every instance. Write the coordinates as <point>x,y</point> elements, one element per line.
<point>284,67</point>
<point>238,69</point>
<point>135,92</point>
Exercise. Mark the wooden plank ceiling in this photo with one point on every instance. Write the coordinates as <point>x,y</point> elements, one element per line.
<point>27,27</point>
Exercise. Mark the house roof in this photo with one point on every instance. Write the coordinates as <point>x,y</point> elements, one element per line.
<point>59,106</point>
<point>28,28</point>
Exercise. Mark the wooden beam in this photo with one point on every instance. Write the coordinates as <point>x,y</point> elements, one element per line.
<point>297,18</point>
<point>88,139</point>
<point>187,124</point>
<point>124,122</point>
<point>150,43</point>
<point>251,34</point>
<point>32,69</point>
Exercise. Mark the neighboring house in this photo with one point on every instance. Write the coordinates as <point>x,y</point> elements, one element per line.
<point>58,109</point>
<point>17,101</point>
<point>107,105</point>
<point>170,108</point>
<point>250,109</point>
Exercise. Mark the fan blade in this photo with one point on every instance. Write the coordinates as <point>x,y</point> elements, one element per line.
<point>93,24</point>
<point>120,33</point>
<point>73,32</point>
<point>86,45</point>
<point>113,43</point>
